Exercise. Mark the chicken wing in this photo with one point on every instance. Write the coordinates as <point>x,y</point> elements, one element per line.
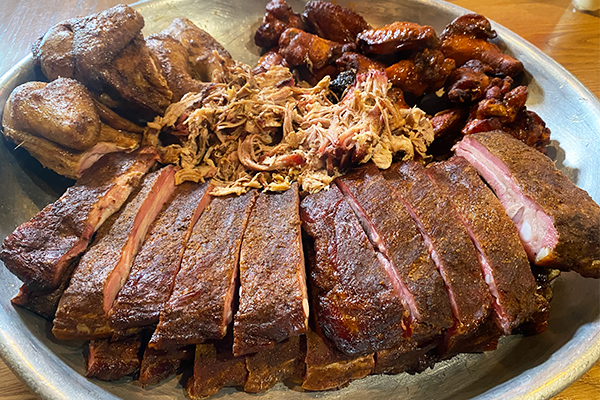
<point>362,64</point>
<point>301,48</point>
<point>333,22</point>
<point>268,60</point>
<point>469,82</point>
<point>425,71</point>
<point>277,19</point>
<point>397,36</point>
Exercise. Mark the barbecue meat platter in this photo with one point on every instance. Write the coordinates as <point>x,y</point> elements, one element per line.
<point>366,200</point>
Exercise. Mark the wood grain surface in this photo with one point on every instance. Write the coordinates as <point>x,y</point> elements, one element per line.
<point>571,38</point>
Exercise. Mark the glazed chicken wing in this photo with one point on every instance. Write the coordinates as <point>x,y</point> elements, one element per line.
<point>469,82</point>
<point>424,72</point>
<point>301,48</point>
<point>362,64</point>
<point>397,36</point>
<point>270,59</point>
<point>107,53</point>
<point>277,19</point>
<point>333,22</point>
<point>466,38</point>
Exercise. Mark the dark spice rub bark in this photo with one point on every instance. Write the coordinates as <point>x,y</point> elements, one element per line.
<point>394,234</point>
<point>273,301</point>
<point>558,223</point>
<point>39,251</point>
<point>503,259</point>
<point>83,309</point>
<point>200,306</point>
<point>450,247</point>
<point>111,361</point>
<point>356,305</point>
<point>158,365</point>
<point>152,275</point>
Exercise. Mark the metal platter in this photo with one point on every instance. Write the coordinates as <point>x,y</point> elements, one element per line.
<point>523,367</point>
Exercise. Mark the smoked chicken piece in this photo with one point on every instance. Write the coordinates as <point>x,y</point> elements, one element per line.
<point>200,306</point>
<point>60,125</point>
<point>362,64</point>
<point>424,72</point>
<point>395,37</point>
<point>558,223</point>
<point>504,261</point>
<point>467,38</point>
<point>108,54</point>
<point>101,272</point>
<point>112,360</point>
<point>530,129</point>
<point>333,22</point>
<point>273,303</point>
<point>447,127</point>
<point>270,59</point>
<point>468,83</point>
<point>153,272</point>
<point>301,48</point>
<point>356,305</point>
<point>40,251</point>
<point>278,18</point>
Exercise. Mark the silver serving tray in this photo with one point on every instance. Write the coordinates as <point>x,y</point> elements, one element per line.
<point>523,367</point>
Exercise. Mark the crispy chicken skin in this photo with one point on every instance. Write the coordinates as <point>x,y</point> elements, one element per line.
<point>301,48</point>
<point>107,53</point>
<point>277,19</point>
<point>466,38</point>
<point>397,36</point>
<point>469,82</point>
<point>270,59</point>
<point>424,72</point>
<point>333,22</point>
<point>362,64</point>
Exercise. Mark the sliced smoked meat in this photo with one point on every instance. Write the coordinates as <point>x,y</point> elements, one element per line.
<point>214,369</point>
<point>158,365</point>
<point>83,309</point>
<point>283,362</point>
<point>273,301</point>
<point>39,251</point>
<point>394,234</point>
<point>328,368</point>
<point>42,303</point>
<point>111,361</point>
<point>408,357</point>
<point>558,223</point>
<point>357,307</point>
<point>505,265</point>
<point>154,269</point>
<point>449,245</point>
<point>200,306</point>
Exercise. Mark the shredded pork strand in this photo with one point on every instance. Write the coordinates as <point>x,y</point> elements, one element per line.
<point>265,132</point>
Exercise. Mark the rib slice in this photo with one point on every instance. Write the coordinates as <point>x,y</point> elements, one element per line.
<point>558,223</point>
<point>200,306</point>
<point>356,305</point>
<point>158,365</point>
<point>408,357</point>
<point>273,301</point>
<point>152,275</point>
<point>111,361</point>
<point>504,262</point>
<point>39,251</point>
<point>214,369</point>
<point>449,245</point>
<point>395,236</point>
<point>83,309</point>
<point>283,362</point>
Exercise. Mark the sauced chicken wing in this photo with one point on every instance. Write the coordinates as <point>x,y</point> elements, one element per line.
<point>270,59</point>
<point>278,18</point>
<point>469,82</point>
<point>425,71</point>
<point>302,48</point>
<point>397,36</point>
<point>362,64</point>
<point>107,53</point>
<point>466,38</point>
<point>334,22</point>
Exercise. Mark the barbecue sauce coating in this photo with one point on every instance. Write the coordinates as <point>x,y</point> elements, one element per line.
<point>273,301</point>
<point>395,37</point>
<point>334,22</point>
<point>200,305</point>
<point>357,308</point>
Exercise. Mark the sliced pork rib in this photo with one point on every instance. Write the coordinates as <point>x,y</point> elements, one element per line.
<point>215,369</point>
<point>200,306</point>
<point>449,245</point>
<point>158,365</point>
<point>83,309</point>
<point>273,300</point>
<point>558,223</point>
<point>110,361</point>
<point>402,250</point>
<point>357,307</point>
<point>39,251</point>
<point>154,269</point>
<point>505,265</point>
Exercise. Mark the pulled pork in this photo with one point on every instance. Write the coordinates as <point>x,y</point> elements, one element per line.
<point>265,132</point>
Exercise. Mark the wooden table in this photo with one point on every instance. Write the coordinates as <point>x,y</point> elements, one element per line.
<point>571,38</point>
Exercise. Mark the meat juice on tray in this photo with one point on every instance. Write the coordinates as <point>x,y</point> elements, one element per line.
<point>311,221</point>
